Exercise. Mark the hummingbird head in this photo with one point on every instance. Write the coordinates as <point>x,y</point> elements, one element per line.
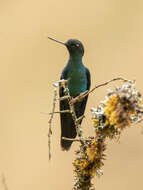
<point>75,47</point>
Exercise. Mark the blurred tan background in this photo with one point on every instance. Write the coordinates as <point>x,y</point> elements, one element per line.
<point>112,33</point>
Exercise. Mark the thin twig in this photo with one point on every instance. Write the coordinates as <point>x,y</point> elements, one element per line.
<point>73,113</point>
<point>63,98</point>
<point>80,97</point>
<point>50,121</point>
<point>138,121</point>
<point>63,111</point>
<point>80,118</point>
<point>71,139</point>
<point>78,139</point>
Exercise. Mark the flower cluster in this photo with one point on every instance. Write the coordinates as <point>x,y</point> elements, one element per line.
<point>88,163</point>
<point>121,108</point>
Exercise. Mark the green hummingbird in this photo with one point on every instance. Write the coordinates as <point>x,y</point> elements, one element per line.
<point>79,81</point>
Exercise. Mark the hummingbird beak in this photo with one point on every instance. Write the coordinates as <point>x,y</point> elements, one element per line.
<point>57,41</point>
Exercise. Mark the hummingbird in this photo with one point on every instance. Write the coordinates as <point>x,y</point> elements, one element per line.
<point>79,81</point>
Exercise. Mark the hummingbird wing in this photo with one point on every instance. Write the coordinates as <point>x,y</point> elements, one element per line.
<point>67,124</point>
<point>82,104</point>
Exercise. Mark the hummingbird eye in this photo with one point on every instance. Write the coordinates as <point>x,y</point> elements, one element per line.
<point>77,45</point>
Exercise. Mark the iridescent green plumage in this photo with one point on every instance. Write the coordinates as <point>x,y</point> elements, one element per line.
<point>79,81</point>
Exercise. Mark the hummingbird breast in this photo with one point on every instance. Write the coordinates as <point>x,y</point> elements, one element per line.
<point>77,81</point>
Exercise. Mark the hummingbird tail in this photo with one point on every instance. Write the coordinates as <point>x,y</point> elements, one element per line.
<point>68,130</point>
<point>66,144</point>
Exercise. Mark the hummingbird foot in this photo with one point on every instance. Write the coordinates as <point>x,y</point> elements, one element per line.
<point>73,100</point>
<point>79,97</point>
